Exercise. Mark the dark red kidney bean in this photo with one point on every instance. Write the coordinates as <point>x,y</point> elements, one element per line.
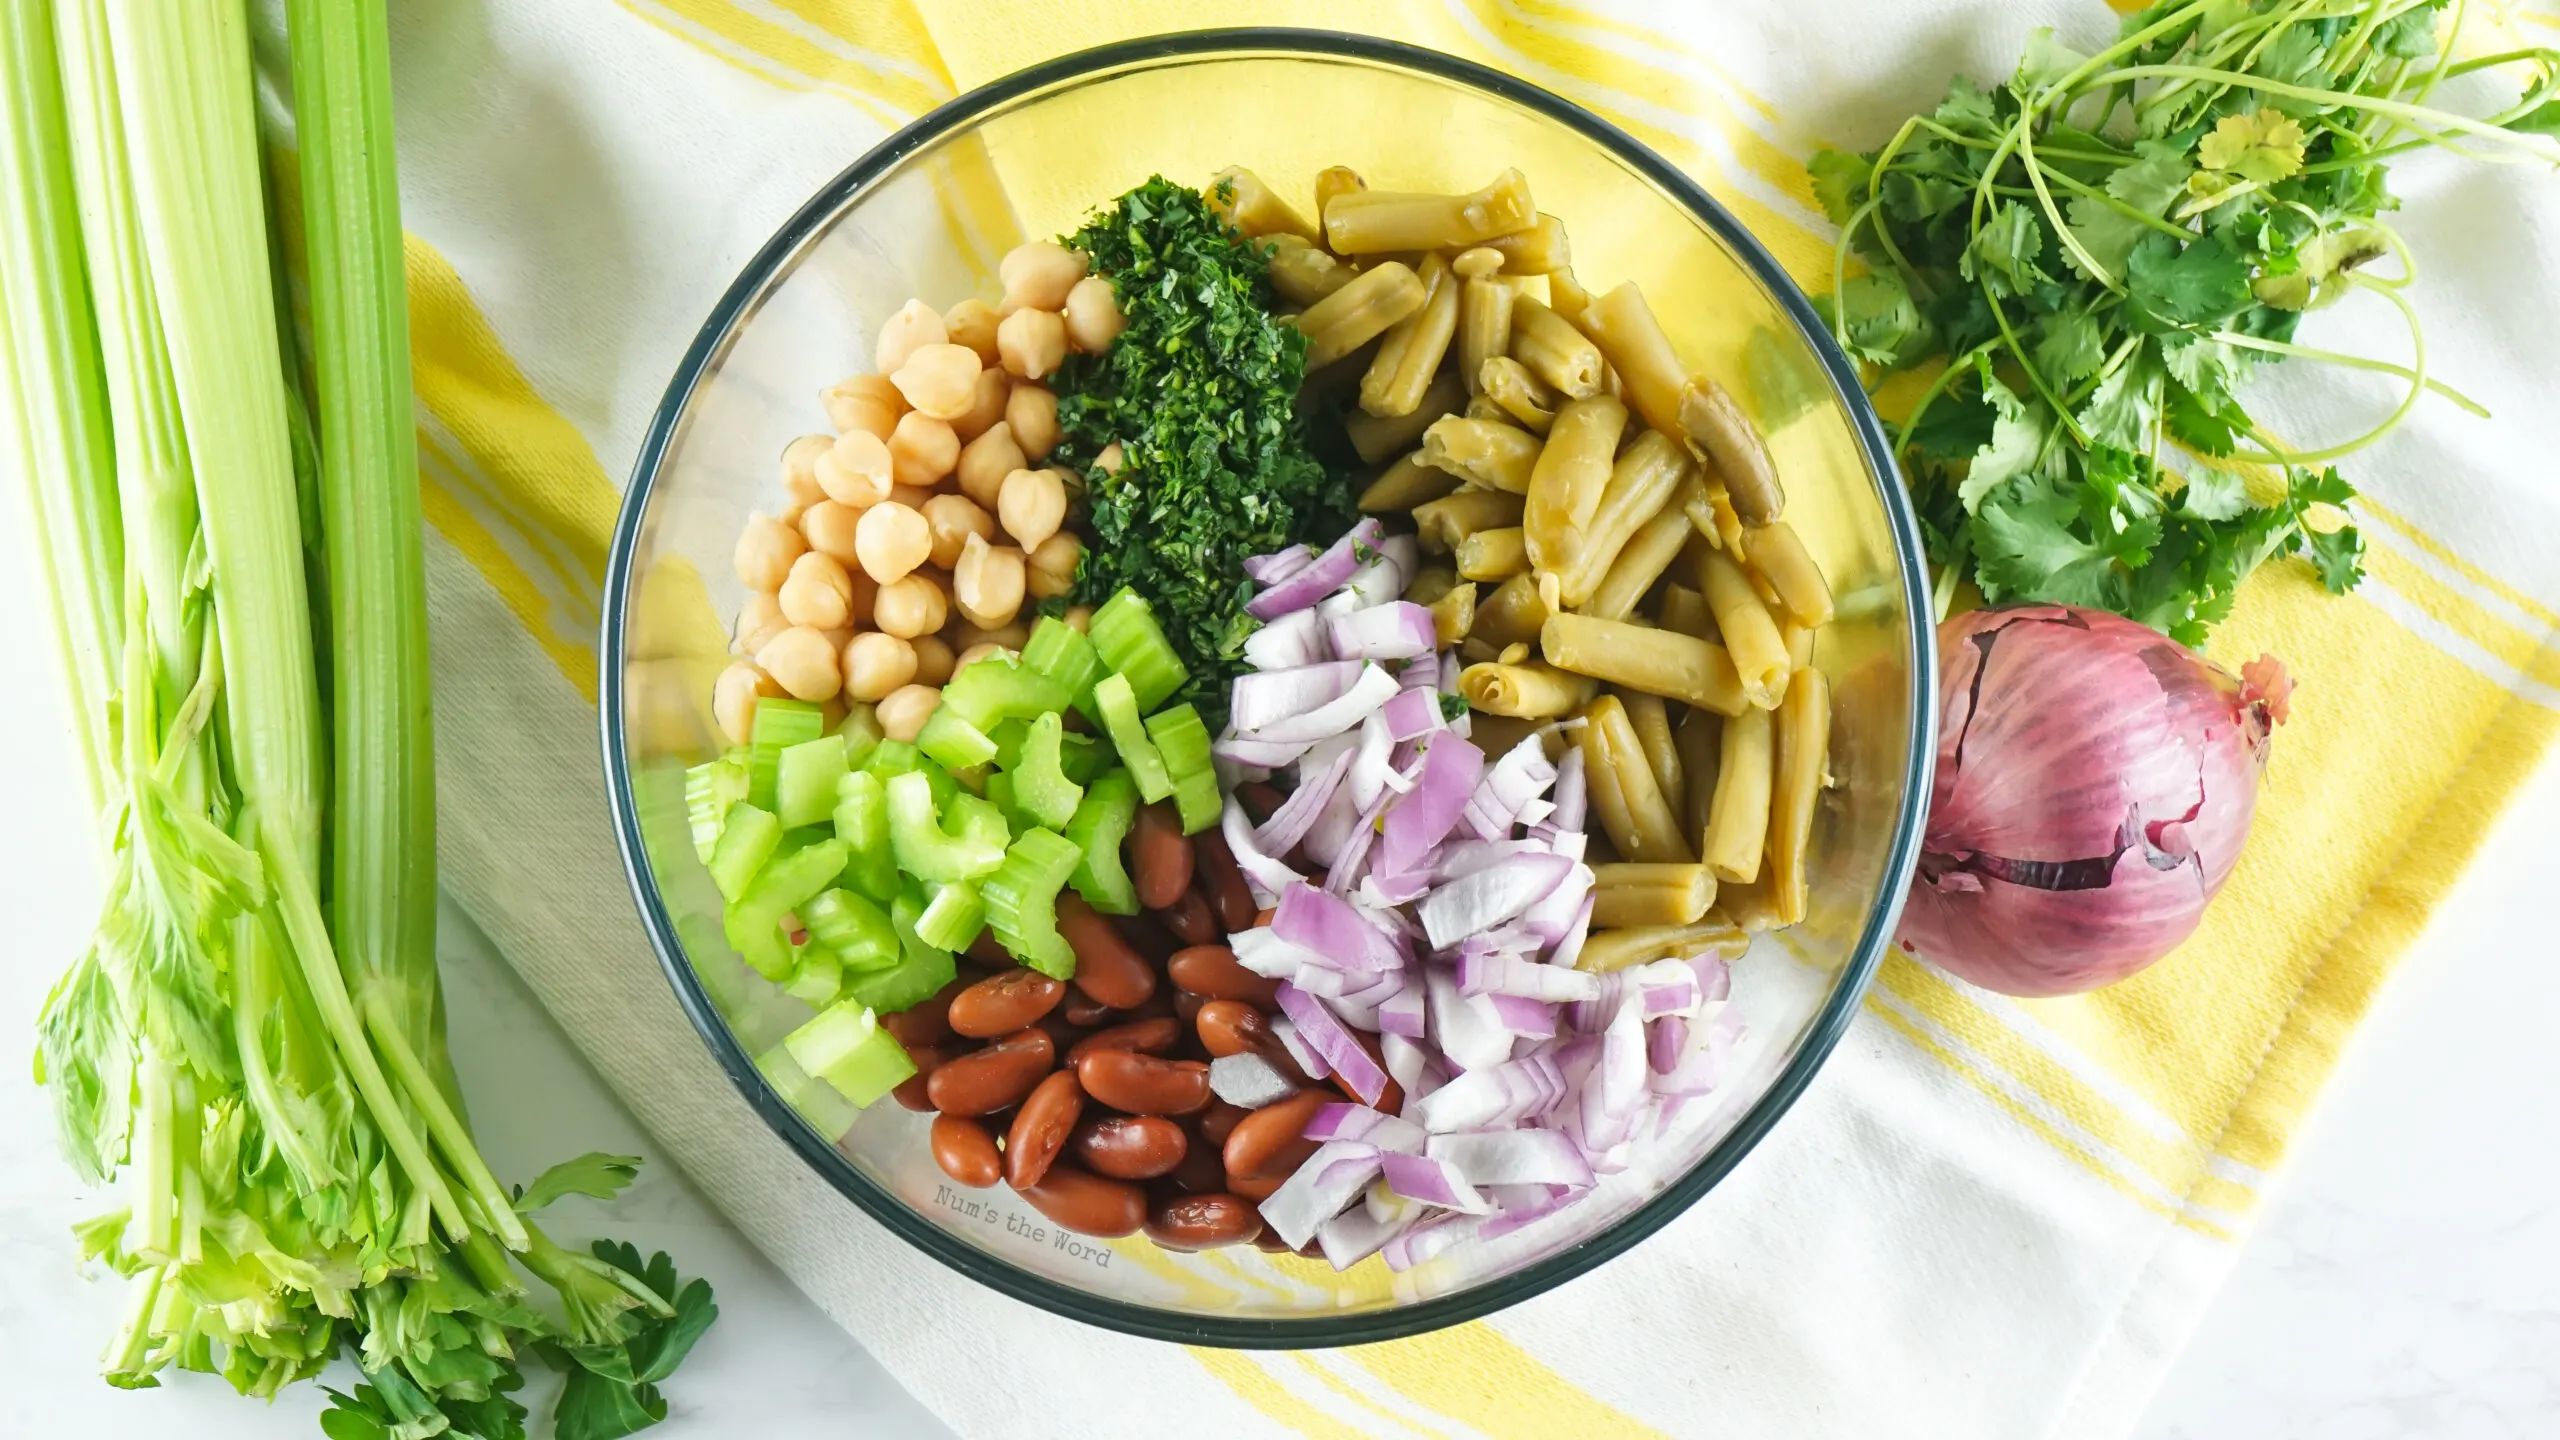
<point>1268,1243</point>
<point>1108,968</point>
<point>1130,1147</point>
<point>1082,1010</point>
<point>1201,1170</point>
<point>1203,1222</point>
<point>1391,1100</point>
<point>1222,880</point>
<point>1143,1084</point>
<point>1186,1007</point>
<point>1211,972</point>
<point>1146,936</point>
<point>1087,1203</point>
<point>1040,1129</point>
<point>1219,1121</point>
<point>988,1080</point>
<point>928,1022</point>
<point>1231,1027</point>
<point>1256,1188</point>
<point>1268,1144</point>
<point>1004,1003</point>
<point>1152,1036</point>
<point>1062,1031</point>
<point>911,1092</point>
<point>985,951</point>
<point>1191,920</point>
<point>1159,857</point>
<point>966,1151</point>
<point>1260,800</point>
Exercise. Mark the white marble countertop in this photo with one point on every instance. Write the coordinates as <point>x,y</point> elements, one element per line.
<point>2405,1281</point>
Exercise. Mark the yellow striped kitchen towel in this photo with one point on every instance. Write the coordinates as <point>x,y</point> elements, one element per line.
<point>1989,1219</point>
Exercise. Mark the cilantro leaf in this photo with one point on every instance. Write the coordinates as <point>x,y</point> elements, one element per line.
<point>1882,322</point>
<point>2120,411</point>
<point>2409,35</point>
<point>2213,493</point>
<point>594,1174</point>
<point>2024,549</point>
<point>2262,145</point>
<point>1839,182</point>
<point>2148,185</point>
<point>2017,438</point>
<point>2006,247</point>
<point>2046,62</point>
<point>2071,347</point>
<point>2169,285</point>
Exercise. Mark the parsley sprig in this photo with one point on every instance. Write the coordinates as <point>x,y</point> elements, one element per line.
<point>2103,250</point>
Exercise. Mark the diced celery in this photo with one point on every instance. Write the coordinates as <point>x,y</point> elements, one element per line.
<point>827,1112</point>
<point>1133,645</point>
<point>862,823</point>
<point>1009,737</point>
<point>1119,706</point>
<point>1085,757</point>
<point>861,734</point>
<point>1000,795</point>
<point>897,757</point>
<point>817,978</point>
<point>1196,800</point>
<point>1110,807</point>
<point>757,937</point>
<point>954,743</point>
<point>846,1047</point>
<point>1059,651</point>
<point>995,688</point>
<point>1022,901</point>
<point>709,790</point>
<point>779,725</point>
<point>1183,742</point>
<point>852,929</point>
<point>748,840</point>
<point>804,787</point>
<point>921,969</point>
<point>953,916</point>
<point>925,849</point>
<point>1041,789</point>
<point>789,881</point>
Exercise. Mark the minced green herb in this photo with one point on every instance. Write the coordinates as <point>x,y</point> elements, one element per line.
<point>1200,392</point>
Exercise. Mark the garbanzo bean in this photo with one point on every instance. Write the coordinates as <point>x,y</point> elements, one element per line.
<point>978,652</point>
<point>911,606</point>
<point>1111,459</point>
<point>912,328</point>
<point>988,582</point>
<point>766,548</point>
<point>759,620</point>
<point>985,461</point>
<point>830,528</point>
<point>855,470</point>
<point>986,404</point>
<point>1093,316</point>
<point>1032,505</point>
<point>877,663</point>
<point>800,469</point>
<point>1032,411</point>
<point>892,540</point>
<point>934,662</point>
<point>939,380</point>
<point>1052,565</point>
<point>1079,618</point>
<point>1038,274</point>
<point>922,450</point>
<point>818,593</point>
<point>954,518</point>
<point>972,322</point>
<point>734,696</point>
<point>802,662</point>
<point>903,711</point>
<point>1032,342</point>
<point>867,403</point>
<point>964,634</point>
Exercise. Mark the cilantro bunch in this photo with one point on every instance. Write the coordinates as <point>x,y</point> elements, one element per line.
<point>2102,251</point>
<point>1200,392</point>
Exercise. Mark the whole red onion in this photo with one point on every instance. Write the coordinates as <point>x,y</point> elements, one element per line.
<point>2095,783</point>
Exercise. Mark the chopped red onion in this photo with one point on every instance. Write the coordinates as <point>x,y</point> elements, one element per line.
<point>1400,1016</point>
<point>1317,578</point>
<point>1383,578</point>
<point>1289,824</point>
<point>1286,1030</point>
<point>1373,770</point>
<point>1248,1080</point>
<point>1297,638</point>
<point>1361,1122</point>
<point>1258,752</point>
<point>1590,1017</point>
<point>1260,697</point>
<point>1353,860</point>
<point>1521,775</point>
<point>1500,973</point>
<point>1267,876</point>
<point>1569,949</point>
<point>1404,1055</point>
<point>1552,916</point>
<point>1335,931</point>
<point>1397,630</point>
<point>1414,713</point>
<point>1322,1031</point>
<point>1421,1242</point>
<point>1493,1097</point>
<point>1433,1182</point>
<point>1572,792</point>
<point>1667,987</point>
<point>1482,900</point>
<point>1470,1038</point>
<point>1355,1235</point>
<point>1509,1218</point>
<point>1279,565</point>
<point>1331,1178</point>
<point>1616,1085</point>
<point>1666,1040</point>
<point>1715,977</point>
<point>1262,951</point>
<point>1389,890</point>
<point>1420,820</point>
<point>1374,687</point>
<point>1521,1016</point>
<point>1511,1157</point>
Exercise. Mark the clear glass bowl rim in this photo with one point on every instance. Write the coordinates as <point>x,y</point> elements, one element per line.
<point>1331,1329</point>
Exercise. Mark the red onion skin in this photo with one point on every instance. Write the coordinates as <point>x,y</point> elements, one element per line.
<point>2094,788</point>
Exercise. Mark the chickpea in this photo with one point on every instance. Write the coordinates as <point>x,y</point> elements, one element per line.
<point>1032,342</point>
<point>986,405</point>
<point>1032,505</point>
<point>985,461</point>
<point>964,636</point>
<point>892,540</point>
<point>1038,274</point>
<point>1111,459</point>
<point>954,519</point>
<point>973,323</point>
<point>934,664</point>
<point>866,591</point>
<point>911,329</point>
<point>1093,315</point>
<point>912,496</point>
<point>1053,565</point>
<point>800,469</point>
<point>868,403</point>
<point>988,582</point>
<point>766,548</point>
<point>802,662</point>
<point>855,470</point>
<point>903,711</point>
<point>978,652</point>
<point>734,696</point>
<point>819,594</point>
<point>759,620</point>
<point>791,513</point>
<point>939,380</point>
<point>923,450</point>
<point>877,663</point>
<point>1032,411</point>
<point>830,528</point>
<point>838,637</point>
<point>1079,618</point>
<point>911,606</point>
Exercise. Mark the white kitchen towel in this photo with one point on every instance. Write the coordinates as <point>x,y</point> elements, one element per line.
<point>1987,1219</point>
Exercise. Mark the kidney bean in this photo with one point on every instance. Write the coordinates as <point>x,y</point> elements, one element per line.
<point>1211,972</point>
<point>1219,1121</point>
<point>988,1080</point>
<point>1186,1007</point>
<point>1256,1188</point>
<point>1268,1142</point>
<point>1191,920</point>
<point>1231,1027</point>
<point>1268,1243</point>
<point>1130,1147</point>
<point>1203,1222</point>
<point>1152,1036</point>
<point>1143,1084</point>
<point>1108,968</point>
<point>1004,1003</point>
<point>1222,880</point>
<point>1087,1203</point>
<point>1040,1129</point>
<point>986,951</point>
<point>911,1092</point>
<point>928,1022</point>
<point>1260,800</point>
<point>1263,917</point>
<point>1063,1032</point>
<point>1201,1171</point>
<point>1146,936</point>
<point>1159,858</point>
<point>965,1151</point>
<point>1082,1010</point>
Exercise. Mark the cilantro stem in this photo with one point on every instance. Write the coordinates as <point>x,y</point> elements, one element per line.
<point>2090,265</point>
<point>2353,362</point>
<point>1937,386</point>
<point>2540,147</point>
<point>2277,455</point>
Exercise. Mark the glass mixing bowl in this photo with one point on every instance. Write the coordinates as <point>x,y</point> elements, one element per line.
<point>928,213</point>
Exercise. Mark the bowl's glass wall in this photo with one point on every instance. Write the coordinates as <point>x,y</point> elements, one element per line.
<point>932,226</point>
